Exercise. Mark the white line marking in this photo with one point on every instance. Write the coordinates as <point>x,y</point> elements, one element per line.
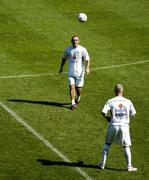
<point>93,69</point>
<point>41,138</point>
<point>121,65</point>
<point>28,75</point>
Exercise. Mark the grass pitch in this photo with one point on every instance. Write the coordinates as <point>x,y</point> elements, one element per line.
<point>33,35</point>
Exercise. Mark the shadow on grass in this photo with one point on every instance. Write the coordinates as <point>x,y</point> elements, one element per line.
<point>69,164</point>
<point>73,164</point>
<point>48,103</point>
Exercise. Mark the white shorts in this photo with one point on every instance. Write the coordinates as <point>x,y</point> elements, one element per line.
<point>118,135</point>
<point>77,81</point>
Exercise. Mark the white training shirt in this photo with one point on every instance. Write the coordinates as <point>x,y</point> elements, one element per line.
<point>76,56</point>
<point>121,109</point>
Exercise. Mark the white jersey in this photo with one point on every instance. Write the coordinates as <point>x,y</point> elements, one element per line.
<point>121,109</point>
<point>76,56</point>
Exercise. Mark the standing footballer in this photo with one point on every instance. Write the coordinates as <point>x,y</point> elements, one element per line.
<point>77,55</point>
<point>121,110</point>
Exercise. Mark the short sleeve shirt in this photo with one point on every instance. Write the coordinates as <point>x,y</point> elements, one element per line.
<point>121,109</point>
<point>76,57</point>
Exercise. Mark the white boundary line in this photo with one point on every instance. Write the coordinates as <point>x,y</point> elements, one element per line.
<point>93,69</point>
<point>41,138</point>
<point>121,65</point>
<point>28,75</point>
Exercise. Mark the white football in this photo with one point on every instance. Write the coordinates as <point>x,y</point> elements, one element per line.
<point>82,17</point>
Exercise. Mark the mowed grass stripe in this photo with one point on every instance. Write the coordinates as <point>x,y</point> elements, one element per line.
<point>41,138</point>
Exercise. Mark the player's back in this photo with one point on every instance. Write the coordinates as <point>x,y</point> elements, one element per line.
<point>121,108</point>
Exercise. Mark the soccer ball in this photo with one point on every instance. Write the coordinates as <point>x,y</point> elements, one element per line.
<point>82,17</point>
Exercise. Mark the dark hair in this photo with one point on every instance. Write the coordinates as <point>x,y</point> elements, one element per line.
<point>74,36</point>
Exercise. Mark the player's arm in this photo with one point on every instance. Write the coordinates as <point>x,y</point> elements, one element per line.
<point>106,116</point>
<point>85,56</point>
<point>62,65</point>
<point>132,111</point>
<point>105,111</point>
<point>87,67</point>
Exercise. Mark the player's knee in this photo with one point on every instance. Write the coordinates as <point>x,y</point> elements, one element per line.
<point>72,87</point>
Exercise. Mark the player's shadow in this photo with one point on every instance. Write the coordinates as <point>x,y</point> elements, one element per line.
<point>74,164</point>
<point>47,103</point>
<point>69,164</point>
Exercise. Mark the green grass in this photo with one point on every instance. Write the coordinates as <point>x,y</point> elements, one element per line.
<point>33,35</point>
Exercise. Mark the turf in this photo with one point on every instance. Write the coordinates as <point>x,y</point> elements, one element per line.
<point>33,35</point>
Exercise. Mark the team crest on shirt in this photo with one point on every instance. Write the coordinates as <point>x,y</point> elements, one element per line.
<point>75,55</point>
<point>121,106</point>
<point>120,110</point>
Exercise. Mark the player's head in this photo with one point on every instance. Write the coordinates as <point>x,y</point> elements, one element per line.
<point>75,40</point>
<point>118,89</point>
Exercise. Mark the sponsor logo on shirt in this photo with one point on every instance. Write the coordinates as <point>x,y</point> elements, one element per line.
<point>120,111</point>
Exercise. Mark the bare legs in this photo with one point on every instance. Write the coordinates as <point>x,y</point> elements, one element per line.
<point>72,93</point>
<point>78,92</point>
<point>75,94</point>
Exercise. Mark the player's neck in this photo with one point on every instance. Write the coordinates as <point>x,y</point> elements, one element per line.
<point>75,45</point>
<point>119,94</point>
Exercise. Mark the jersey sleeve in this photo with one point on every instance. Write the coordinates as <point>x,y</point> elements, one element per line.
<point>65,54</point>
<point>85,55</point>
<point>132,109</point>
<point>106,108</point>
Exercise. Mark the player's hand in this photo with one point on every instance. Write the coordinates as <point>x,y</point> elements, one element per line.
<point>87,71</point>
<point>61,70</point>
<point>108,118</point>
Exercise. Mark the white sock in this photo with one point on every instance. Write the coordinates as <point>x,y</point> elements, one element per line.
<point>79,97</point>
<point>72,101</point>
<point>104,154</point>
<point>128,156</point>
